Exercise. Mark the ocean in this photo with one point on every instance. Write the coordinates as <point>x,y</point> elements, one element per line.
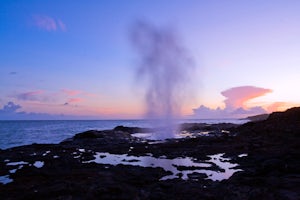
<point>18,132</point>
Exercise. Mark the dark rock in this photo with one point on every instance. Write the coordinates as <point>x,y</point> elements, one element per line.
<point>291,115</point>
<point>192,127</point>
<point>89,134</point>
<point>278,124</point>
<point>197,176</point>
<point>273,164</point>
<point>132,130</point>
<point>258,117</point>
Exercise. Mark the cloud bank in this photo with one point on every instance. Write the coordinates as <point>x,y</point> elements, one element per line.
<point>71,92</point>
<point>235,104</point>
<point>11,111</point>
<point>64,96</point>
<point>62,101</point>
<point>10,107</point>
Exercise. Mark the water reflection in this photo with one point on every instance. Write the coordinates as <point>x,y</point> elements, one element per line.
<point>179,167</point>
<point>5,179</point>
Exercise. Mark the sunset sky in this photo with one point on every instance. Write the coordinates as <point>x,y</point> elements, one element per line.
<point>71,59</point>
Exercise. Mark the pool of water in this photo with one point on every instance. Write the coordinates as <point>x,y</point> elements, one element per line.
<point>179,167</point>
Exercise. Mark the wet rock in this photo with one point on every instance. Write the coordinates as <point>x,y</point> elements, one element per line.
<point>288,195</point>
<point>192,127</point>
<point>89,134</point>
<point>273,164</point>
<point>197,176</point>
<point>132,130</point>
<point>273,181</point>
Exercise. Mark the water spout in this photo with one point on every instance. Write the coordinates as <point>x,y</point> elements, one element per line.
<point>164,71</point>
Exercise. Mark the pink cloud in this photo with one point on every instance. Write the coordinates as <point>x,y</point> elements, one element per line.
<point>277,106</point>
<point>75,100</point>
<point>71,92</point>
<point>237,97</point>
<point>76,96</point>
<point>48,23</point>
<point>88,94</point>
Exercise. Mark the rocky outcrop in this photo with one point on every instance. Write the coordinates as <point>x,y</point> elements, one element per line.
<point>258,117</point>
<point>278,124</point>
<point>132,130</point>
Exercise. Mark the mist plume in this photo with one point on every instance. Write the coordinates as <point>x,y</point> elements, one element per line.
<point>164,70</point>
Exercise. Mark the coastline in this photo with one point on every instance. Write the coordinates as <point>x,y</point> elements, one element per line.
<point>268,169</point>
<point>18,133</point>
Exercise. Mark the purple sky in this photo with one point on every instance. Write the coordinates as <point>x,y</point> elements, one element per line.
<point>74,59</point>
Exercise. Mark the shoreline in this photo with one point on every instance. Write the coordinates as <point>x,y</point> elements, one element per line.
<point>270,169</point>
<point>17,133</point>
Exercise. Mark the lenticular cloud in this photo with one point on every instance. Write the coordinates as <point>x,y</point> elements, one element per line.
<point>236,97</point>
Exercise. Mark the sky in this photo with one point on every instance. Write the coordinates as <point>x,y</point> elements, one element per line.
<point>69,59</point>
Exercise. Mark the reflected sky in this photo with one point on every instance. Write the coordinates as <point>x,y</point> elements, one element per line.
<point>173,165</point>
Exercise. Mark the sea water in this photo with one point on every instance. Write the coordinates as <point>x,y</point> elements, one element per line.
<point>19,132</point>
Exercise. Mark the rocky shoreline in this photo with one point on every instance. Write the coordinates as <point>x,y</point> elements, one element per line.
<point>265,155</point>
